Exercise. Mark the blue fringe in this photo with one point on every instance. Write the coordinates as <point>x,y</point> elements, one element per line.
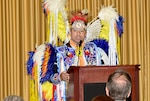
<point>120,25</point>
<point>30,62</point>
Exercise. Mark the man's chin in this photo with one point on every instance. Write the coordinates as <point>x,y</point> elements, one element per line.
<point>78,42</point>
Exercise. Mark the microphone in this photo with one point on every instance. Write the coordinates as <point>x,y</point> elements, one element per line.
<point>79,51</point>
<point>80,43</point>
<point>80,48</point>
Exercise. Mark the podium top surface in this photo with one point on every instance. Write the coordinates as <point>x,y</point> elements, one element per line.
<point>103,67</point>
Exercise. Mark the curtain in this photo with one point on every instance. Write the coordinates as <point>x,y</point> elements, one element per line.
<point>23,26</point>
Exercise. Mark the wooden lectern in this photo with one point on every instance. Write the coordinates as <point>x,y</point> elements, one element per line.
<point>84,78</point>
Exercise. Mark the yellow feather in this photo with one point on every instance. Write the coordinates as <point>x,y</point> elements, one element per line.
<point>104,33</point>
<point>61,27</point>
<point>47,89</point>
<point>48,29</point>
<point>34,84</point>
<point>33,91</point>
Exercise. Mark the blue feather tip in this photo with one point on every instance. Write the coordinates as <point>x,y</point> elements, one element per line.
<point>102,43</point>
<point>120,25</point>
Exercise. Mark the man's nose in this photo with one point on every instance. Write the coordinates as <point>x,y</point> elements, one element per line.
<point>78,32</point>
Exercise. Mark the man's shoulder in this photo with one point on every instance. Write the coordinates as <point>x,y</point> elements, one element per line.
<point>64,48</point>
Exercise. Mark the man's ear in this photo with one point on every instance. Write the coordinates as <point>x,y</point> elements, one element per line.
<point>107,91</point>
<point>129,93</point>
<point>69,35</point>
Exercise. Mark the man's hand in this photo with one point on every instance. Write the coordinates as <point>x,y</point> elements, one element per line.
<point>65,76</point>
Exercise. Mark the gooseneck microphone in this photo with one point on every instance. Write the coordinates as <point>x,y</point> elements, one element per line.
<point>80,48</point>
<point>79,51</point>
<point>80,43</point>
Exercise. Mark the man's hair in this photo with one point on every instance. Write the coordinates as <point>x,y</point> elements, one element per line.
<point>119,85</point>
<point>13,98</point>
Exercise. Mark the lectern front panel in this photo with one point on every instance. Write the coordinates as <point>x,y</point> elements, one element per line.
<point>83,76</point>
<point>93,89</point>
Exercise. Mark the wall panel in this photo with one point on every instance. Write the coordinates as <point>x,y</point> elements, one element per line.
<point>23,26</point>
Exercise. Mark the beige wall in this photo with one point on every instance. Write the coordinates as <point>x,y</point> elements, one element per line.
<point>23,25</point>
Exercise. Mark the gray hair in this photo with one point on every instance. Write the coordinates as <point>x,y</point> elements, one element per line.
<point>119,90</point>
<point>13,98</point>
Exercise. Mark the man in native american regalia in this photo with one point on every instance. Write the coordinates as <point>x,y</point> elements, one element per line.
<point>92,43</point>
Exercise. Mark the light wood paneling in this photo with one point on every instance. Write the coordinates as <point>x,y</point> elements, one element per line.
<point>23,26</point>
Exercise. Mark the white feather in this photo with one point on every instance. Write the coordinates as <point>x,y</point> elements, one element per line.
<point>108,13</point>
<point>93,29</point>
<point>39,53</point>
<point>52,5</point>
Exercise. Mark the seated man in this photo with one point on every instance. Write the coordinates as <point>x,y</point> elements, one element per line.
<point>13,98</point>
<point>118,86</point>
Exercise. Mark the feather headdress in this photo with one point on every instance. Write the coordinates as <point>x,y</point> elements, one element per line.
<point>105,31</point>
<point>79,15</point>
<point>78,20</point>
<point>58,26</point>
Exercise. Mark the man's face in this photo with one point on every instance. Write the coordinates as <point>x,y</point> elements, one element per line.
<point>77,35</point>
